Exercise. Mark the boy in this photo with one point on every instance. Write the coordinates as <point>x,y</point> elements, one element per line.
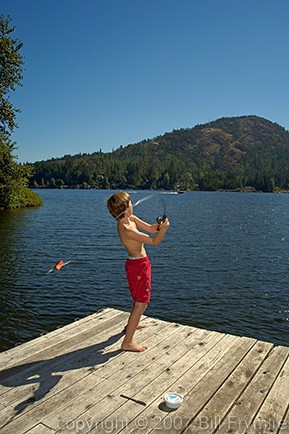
<point>138,267</point>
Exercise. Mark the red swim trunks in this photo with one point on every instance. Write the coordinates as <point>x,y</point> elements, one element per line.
<point>138,274</point>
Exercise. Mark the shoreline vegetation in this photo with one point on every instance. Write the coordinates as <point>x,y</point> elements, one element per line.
<point>233,190</point>
<point>24,198</point>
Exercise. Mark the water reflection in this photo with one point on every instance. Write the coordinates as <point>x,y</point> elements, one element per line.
<point>13,297</point>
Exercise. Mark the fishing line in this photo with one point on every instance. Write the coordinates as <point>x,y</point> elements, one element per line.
<point>142,200</point>
<point>61,263</point>
<point>136,204</point>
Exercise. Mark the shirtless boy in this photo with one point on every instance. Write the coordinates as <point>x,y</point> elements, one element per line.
<point>138,267</point>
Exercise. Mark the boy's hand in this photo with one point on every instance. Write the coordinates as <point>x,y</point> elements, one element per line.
<point>155,228</point>
<point>164,225</point>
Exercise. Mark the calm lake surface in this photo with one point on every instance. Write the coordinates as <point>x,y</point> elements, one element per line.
<point>224,263</point>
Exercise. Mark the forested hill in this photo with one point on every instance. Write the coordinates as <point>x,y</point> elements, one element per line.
<point>229,153</point>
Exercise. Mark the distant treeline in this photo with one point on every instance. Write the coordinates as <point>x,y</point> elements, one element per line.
<point>245,152</point>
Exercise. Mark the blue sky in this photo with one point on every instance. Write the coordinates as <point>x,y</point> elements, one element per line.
<point>103,73</point>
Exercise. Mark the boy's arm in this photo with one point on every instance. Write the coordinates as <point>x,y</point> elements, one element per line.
<point>135,235</point>
<point>152,229</point>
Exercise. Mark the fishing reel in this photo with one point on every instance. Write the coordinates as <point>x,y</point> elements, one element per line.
<point>160,220</point>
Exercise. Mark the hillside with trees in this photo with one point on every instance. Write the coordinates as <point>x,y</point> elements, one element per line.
<point>246,152</point>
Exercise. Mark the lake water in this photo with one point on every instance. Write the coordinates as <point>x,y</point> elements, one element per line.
<point>223,265</point>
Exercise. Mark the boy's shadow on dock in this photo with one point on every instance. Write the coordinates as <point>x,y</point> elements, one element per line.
<point>42,371</point>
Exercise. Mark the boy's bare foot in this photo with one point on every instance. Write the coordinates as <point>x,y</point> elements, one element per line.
<point>140,326</point>
<point>133,346</point>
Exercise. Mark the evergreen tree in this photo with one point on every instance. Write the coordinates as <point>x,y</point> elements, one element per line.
<point>13,177</point>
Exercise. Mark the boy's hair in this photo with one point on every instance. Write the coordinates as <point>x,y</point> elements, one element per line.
<point>118,203</point>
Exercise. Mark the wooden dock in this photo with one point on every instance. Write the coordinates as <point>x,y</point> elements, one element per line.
<point>71,381</point>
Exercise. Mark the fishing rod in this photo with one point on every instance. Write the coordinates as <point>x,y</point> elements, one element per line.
<point>159,219</point>
<point>162,218</point>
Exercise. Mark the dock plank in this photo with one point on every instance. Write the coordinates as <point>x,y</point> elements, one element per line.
<point>272,413</point>
<point>198,393</point>
<point>227,395</point>
<point>63,356</point>
<point>150,363</point>
<point>198,374</point>
<point>83,356</point>
<point>113,406</point>
<point>55,399</point>
<point>41,429</point>
<point>32,348</point>
<point>194,364</point>
<point>71,380</point>
<point>243,413</point>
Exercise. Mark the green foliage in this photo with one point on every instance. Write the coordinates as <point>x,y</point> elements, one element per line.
<point>28,198</point>
<point>13,177</point>
<point>11,63</point>
<point>243,153</point>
